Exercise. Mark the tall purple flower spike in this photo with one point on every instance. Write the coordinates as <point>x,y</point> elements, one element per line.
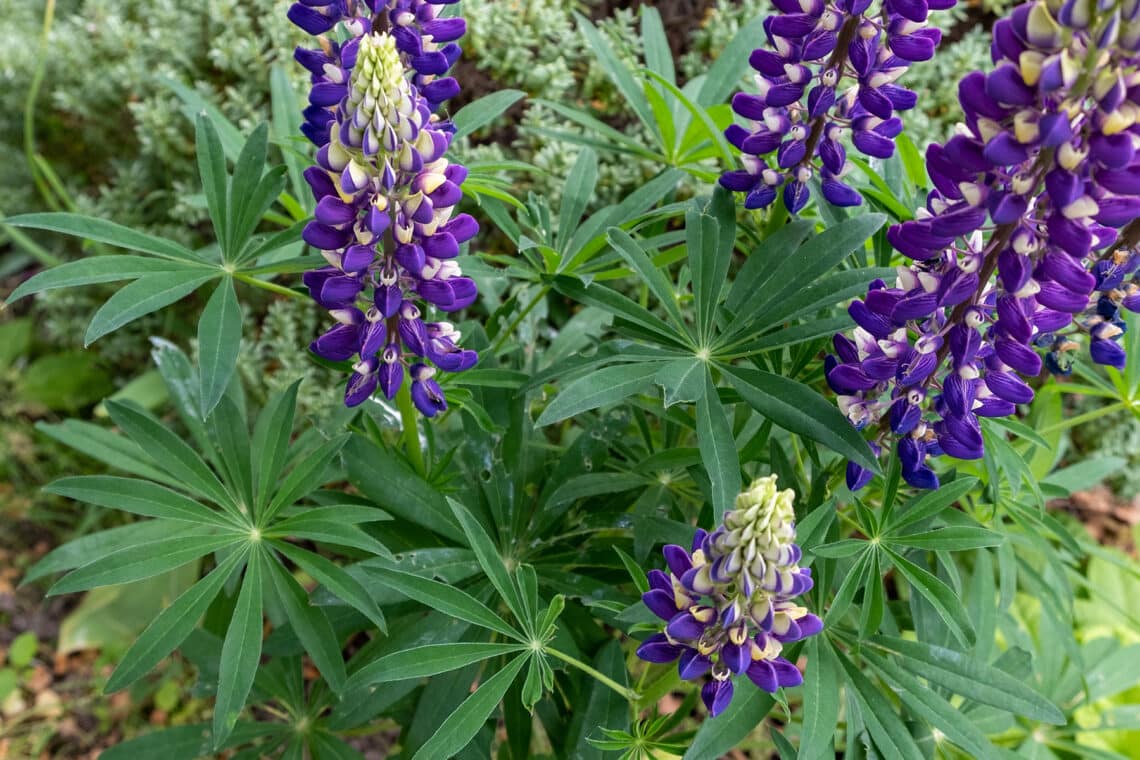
<point>386,194</point>
<point>828,69</point>
<point>728,604</point>
<point>1028,240</point>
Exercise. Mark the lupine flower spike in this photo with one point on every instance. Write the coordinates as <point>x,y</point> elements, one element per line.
<point>1028,241</point>
<point>728,603</point>
<point>386,194</point>
<point>846,57</point>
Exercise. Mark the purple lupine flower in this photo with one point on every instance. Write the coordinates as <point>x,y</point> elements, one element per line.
<point>1028,239</point>
<point>386,194</point>
<point>728,603</point>
<point>828,69</point>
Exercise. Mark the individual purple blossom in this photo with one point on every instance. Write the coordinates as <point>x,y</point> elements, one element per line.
<point>728,603</point>
<point>1028,240</point>
<point>386,194</point>
<point>829,69</point>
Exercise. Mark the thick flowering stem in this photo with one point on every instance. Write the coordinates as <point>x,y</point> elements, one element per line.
<point>829,68</point>
<point>411,431</point>
<point>386,194</point>
<point>728,603</point>
<point>1028,241</point>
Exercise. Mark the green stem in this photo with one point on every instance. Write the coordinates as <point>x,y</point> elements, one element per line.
<point>30,107</point>
<point>1080,419</point>
<point>510,329</point>
<point>411,428</point>
<point>34,249</point>
<point>625,691</point>
<point>270,286</point>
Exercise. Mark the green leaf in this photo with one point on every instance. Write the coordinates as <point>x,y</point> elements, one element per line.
<point>101,231</point>
<point>172,625</point>
<point>241,651</point>
<point>285,108</point>
<point>638,260</point>
<point>245,188</point>
<point>331,525</point>
<point>929,504</point>
<point>92,546</point>
<point>883,723</point>
<point>307,476</point>
<point>96,269</point>
<point>763,259</point>
<point>67,381</point>
<point>231,437</point>
<point>219,338</point>
<point>618,305</point>
<point>605,386</point>
<point>483,111</point>
<point>1086,474</point>
<point>821,692</point>
<point>140,561</point>
<point>928,704</point>
<point>683,380</point>
<point>617,72</point>
<point>592,484</point>
<point>138,497</point>
<point>710,243</point>
<point>970,678</point>
<point>462,725</point>
<point>271,437</point>
<point>576,194</point>
<point>800,410</point>
<point>443,597</point>
<point>489,558</point>
<point>390,483</point>
<point>791,273</point>
<point>718,449</point>
<point>941,597</point>
<point>424,661</point>
<point>955,538</point>
<point>730,66</point>
<point>311,625</point>
<point>748,708</point>
<point>335,579</point>
<point>143,296</point>
<point>212,171</point>
<point>169,451</point>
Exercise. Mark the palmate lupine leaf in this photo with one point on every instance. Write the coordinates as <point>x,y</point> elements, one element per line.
<point>98,269</point>
<point>491,562</point>
<point>241,650</point>
<point>133,563</point>
<point>333,577</point>
<point>747,710</point>
<point>718,448</point>
<point>605,386</point>
<point>800,410</point>
<point>822,681</point>
<point>311,625</point>
<point>145,295</point>
<point>483,111</point>
<point>424,661</point>
<point>443,597</point>
<point>138,497</point>
<point>102,231</point>
<point>462,725</point>
<point>170,452</point>
<point>970,678</point>
<point>219,339</point>
<point>172,625</point>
